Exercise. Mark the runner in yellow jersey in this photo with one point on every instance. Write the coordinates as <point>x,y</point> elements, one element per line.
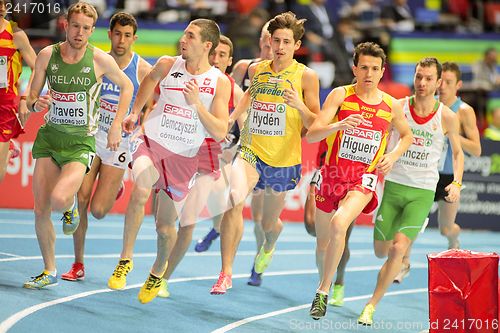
<point>279,104</point>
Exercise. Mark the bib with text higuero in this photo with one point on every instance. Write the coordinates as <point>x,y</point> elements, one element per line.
<point>355,152</point>
<point>272,129</point>
<point>75,93</point>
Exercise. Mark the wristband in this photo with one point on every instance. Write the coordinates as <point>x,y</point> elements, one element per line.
<point>22,98</point>
<point>456,183</point>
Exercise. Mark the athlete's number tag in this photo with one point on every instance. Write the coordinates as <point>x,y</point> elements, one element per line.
<point>3,72</point>
<point>90,159</point>
<point>369,181</point>
<point>120,157</point>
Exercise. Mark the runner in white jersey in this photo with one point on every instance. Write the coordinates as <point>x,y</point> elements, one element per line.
<point>65,145</point>
<point>192,105</point>
<point>410,186</point>
<point>109,165</point>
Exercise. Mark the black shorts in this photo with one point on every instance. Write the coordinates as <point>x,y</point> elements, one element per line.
<point>444,180</point>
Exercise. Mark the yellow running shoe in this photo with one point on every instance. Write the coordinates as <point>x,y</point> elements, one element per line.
<point>366,316</point>
<point>337,298</point>
<point>164,289</point>
<point>262,260</point>
<point>149,289</point>
<point>118,279</point>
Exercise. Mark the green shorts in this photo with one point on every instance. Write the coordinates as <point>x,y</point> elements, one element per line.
<point>64,148</point>
<point>403,209</point>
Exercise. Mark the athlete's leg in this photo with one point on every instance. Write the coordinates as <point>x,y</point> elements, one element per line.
<point>310,210</point>
<point>274,202</point>
<point>243,178</point>
<point>257,206</point>
<point>108,185</point>
<point>4,158</point>
<point>447,213</point>
<point>339,280</point>
<point>349,208</point>
<point>45,177</point>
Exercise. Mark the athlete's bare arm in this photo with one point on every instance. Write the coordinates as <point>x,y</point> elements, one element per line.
<point>237,96</point>
<point>470,139</point>
<point>451,127</point>
<point>216,119</point>
<point>105,65</point>
<point>35,102</point>
<point>310,107</point>
<point>239,71</point>
<point>405,138</point>
<point>146,90</point>
<point>322,126</point>
<point>29,56</point>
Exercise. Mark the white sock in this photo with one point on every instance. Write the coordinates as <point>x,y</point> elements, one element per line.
<point>53,273</point>
<point>321,292</point>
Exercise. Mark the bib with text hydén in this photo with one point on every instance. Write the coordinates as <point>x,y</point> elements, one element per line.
<point>75,94</point>
<point>356,151</point>
<point>272,129</point>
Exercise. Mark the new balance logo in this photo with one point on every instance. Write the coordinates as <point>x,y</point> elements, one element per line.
<point>85,70</point>
<point>176,74</point>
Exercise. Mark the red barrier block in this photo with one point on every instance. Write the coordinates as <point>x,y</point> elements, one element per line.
<point>463,292</point>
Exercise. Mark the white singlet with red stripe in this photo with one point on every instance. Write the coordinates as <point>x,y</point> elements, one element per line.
<point>173,123</point>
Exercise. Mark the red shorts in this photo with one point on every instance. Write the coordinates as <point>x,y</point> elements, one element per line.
<point>177,172</point>
<point>333,190</point>
<point>10,127</point>
<point>209,158</point>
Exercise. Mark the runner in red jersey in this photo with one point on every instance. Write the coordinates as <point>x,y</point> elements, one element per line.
<point>355,120</point>
<point>14,48</point>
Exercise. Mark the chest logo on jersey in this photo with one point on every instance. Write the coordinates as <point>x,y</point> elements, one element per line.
<point>54,68</point>
<point>85,70</point>
<point>176,74</point>
<point>179,111</point>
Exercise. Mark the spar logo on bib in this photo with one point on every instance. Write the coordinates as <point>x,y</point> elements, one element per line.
<point>68,97</point>
<point>107,106</point>
<point>365,134</point>
<point>180,111</point>
<point>268,107</point>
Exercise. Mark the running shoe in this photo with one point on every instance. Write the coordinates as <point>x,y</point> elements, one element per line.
<point>263,260</point>
<point>222,285</point>
<point>318,306</point>
<point>337,295</point>
<point>366,316</point>
<point>14,148</point>
<point>255,278</point>
<point>71,218</point>
<point>204,244</point>
<point>404,272</point>
<point>164,289</point>
<point>121,191</point>
<point>118,279</point>
<point>44,280</point>
<point>77,272</point>
<point>149,289</point>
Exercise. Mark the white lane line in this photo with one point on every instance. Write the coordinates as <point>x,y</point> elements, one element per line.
<point>10,254</point>
<point>305,306</point>
<point>196,254</point>
<point>16,317</point>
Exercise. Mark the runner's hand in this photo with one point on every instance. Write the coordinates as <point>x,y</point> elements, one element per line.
<point>114,137</point>
<point>24,113</point>
<point>292,98</point>
<point>350,121</point>
<point>385,163</point>
<point>191,92</point>
<point>453,193</point>
<point>129,123</point>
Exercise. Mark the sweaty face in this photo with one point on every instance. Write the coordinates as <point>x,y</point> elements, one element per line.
<point>369,70</point>
<point>190,43</point>
<point>426,81</point>
<point>122,38</point>
<point>283,45</point>
<point>79,28</point>
<point>449,85</point>
<point>220,58</point>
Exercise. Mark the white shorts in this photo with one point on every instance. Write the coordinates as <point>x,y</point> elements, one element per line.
<point>120,158</point>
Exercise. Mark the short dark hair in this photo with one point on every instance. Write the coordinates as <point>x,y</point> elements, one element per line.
<point>452,67</point>
<point>226,41</point>
<point>209,32</point>
<point>287,20</point>
<point>429,62</point>
<point>123,19</point>
<point>369,49</point>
